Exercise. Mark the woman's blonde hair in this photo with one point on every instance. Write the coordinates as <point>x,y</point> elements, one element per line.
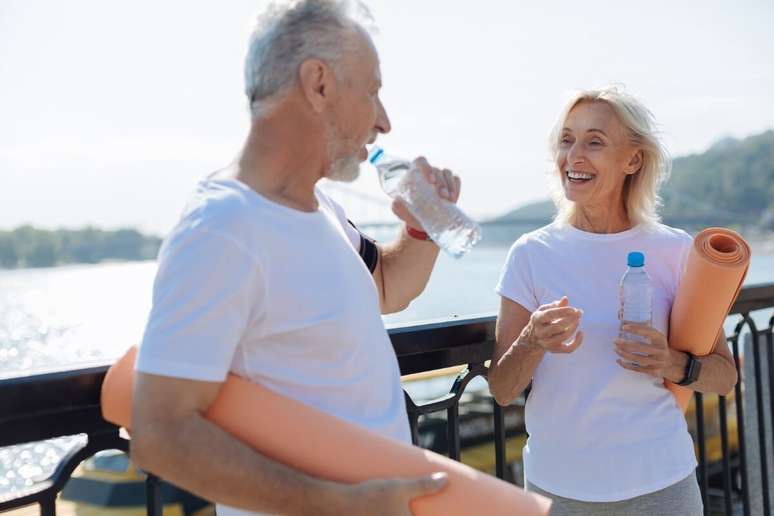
<point>640,191</point>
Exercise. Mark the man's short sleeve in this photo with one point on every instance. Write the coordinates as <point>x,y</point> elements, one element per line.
<point>353,234</point>
<point>207,290</point>
<point>516,277</point>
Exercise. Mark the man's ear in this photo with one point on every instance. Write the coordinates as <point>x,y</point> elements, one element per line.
<point>635,163</point>
<point>317,83</point>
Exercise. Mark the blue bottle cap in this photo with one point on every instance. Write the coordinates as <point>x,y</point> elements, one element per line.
<point>375,153</point>
<point>635,259</point>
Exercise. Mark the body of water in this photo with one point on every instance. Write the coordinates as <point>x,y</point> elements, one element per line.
<point>73,316</point>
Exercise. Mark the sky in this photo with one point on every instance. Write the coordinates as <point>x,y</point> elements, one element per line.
<point>110,112</point>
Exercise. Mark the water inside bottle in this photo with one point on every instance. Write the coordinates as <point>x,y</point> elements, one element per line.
<point>390,174</point>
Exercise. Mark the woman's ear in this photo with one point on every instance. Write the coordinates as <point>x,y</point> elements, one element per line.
<point>635,163</point>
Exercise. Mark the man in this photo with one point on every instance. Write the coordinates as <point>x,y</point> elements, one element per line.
<point>264,277</point>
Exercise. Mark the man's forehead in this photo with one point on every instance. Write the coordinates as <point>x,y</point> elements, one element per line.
<point>367,55</point>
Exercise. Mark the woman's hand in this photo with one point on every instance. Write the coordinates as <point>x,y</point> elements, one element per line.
<point>552,325</point>
<point>654,358</point>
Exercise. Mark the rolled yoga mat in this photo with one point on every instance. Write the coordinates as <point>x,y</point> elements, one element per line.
<point>713,277</point>
<point>327,447</point>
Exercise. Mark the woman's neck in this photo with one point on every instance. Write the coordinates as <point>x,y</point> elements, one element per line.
<point>601,219</point>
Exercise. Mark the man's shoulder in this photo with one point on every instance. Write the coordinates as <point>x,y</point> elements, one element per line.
<point>216,211</point>
<point>217,205</point>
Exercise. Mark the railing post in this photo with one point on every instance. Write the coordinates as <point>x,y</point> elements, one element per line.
<point>499,438</point>
<point>153,501</point>
<point>453,430</point>
<point>48,506</point>
<point>740,430</point>
<point>700,437</point>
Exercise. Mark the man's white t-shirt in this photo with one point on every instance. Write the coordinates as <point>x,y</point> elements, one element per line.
<point>278,296</point>
<point>598,432</point>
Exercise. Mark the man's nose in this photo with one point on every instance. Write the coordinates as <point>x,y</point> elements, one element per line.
<point>382,120</point>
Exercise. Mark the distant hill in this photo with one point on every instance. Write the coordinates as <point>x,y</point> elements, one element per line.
<point>27,246</point>
<point>534,211</point>
<point>731,184</point>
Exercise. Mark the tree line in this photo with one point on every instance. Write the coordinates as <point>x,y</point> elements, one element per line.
<point>27,246</point>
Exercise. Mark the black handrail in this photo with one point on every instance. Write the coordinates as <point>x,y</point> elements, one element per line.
<point>63,403</point>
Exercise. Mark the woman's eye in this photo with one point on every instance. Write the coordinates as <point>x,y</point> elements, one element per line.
<point>595,142</point>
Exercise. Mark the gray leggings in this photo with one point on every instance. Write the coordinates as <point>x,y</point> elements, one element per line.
<point>680,499</point>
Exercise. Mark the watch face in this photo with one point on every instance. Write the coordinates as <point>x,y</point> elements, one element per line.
<point>695,369</point>
<point>692,370</point>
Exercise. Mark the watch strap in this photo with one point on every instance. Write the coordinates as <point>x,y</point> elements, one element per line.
<point>417,234</point>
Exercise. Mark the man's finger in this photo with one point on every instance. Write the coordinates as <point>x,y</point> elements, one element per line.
<point>424,486</point>
<point>448,180</point>
<point>457,189</point>
<point>424,167</point>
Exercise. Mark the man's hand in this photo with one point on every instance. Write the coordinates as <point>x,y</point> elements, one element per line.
<point>387,497</point>
<point>447,185</point>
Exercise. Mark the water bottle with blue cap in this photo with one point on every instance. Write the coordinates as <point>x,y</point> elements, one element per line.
<point>447,225</point>
<point>636,293</point>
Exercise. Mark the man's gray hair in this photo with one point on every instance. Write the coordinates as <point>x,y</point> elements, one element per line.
<point>289,33</point>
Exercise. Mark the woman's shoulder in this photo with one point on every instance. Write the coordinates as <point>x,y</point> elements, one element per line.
<point>538,238</point>
<point>668,235</point>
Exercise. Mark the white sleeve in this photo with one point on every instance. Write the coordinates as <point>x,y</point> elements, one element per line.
<point>207,289</point>
<point>516,278</point>
<point>685,251</point>
<point>352,232</point>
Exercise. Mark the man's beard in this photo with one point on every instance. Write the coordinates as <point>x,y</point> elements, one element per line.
<point>345,168</point>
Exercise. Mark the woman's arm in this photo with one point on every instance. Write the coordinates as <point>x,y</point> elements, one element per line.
<point>718,371</point>
<point>521,340</point>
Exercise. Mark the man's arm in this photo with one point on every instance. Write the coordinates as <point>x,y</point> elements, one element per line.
<point>173,440</point>
<point>405,265</point>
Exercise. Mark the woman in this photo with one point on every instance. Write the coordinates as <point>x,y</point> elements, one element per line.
<point>605,435</point>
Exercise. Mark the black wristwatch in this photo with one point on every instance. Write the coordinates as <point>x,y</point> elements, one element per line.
<point>692,370</point>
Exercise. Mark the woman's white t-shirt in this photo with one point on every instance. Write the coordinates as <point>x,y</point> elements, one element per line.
<point>598,432</point>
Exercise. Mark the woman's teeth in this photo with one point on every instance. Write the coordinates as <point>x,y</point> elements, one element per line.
<point>578,177</point>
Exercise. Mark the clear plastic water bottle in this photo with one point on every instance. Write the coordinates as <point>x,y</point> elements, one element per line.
<point>447,225</point>
<point>636,292</point>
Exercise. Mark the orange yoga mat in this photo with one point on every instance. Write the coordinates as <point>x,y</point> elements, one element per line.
<point>327,447</point>
<point>713,277</point>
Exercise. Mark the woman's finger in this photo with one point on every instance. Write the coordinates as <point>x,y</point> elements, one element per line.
<point>551,315</point>
<point>634,357</point>
<point>651,371</point>
<point>643,330</point>
<point>558,302</point>
<point>635,347</point>
<point>561,346</point>
<point>563,328</point>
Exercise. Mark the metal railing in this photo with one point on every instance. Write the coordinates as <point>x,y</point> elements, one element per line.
<point>46,406</point>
